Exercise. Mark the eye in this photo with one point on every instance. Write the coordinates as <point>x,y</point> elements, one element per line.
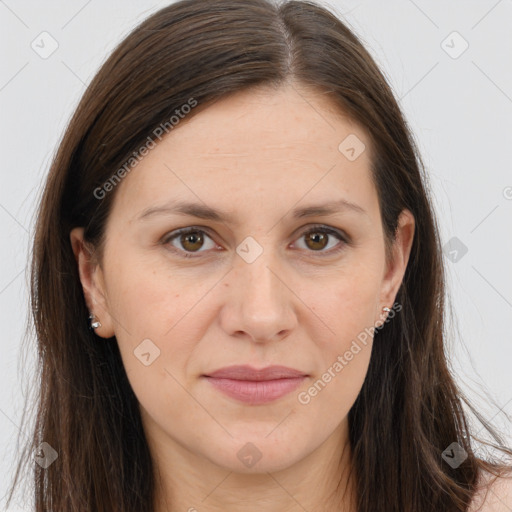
<point>192,240</point>
<point>318,238</point>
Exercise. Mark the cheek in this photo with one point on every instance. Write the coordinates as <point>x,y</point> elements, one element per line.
<point>347,304</point>
<point>348,310</point>
<point>148,299</point>
<point>158,319</point>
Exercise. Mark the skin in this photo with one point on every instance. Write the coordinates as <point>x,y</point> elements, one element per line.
<point>256,155</point>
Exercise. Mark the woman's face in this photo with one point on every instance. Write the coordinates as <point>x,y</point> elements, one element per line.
<point>284,265</point>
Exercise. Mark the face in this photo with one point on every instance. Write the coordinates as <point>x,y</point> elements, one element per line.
<point>280,263</point>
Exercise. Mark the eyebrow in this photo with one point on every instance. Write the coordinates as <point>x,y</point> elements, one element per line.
<point>201,211</point>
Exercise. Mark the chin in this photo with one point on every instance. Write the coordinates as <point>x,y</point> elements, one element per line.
<point>253,454</point>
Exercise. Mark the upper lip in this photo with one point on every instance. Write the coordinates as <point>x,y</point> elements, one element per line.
<point>246,372</point>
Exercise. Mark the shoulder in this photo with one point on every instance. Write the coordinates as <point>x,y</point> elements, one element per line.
<point>494,494</point>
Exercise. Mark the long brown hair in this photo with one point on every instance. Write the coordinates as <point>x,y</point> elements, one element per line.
<point>409,409</point>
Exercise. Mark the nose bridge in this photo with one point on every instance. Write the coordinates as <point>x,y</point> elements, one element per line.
<point>259,283</point>
<point>262,305</point>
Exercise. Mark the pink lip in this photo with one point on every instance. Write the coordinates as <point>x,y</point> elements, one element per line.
<point>254,386</point>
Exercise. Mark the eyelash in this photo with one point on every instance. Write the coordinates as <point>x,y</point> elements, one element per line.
<point>314,229</point>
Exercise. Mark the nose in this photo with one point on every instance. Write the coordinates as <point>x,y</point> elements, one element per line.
<point>261,305</point>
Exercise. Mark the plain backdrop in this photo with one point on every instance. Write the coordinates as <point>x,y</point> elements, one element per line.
<point>450,66</point>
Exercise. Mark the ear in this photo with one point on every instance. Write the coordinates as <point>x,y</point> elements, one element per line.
<point>93,284</point>
<point>400,251</point>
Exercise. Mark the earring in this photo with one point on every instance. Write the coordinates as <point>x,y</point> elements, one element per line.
<point>94,324</point>
<point>386,309</point>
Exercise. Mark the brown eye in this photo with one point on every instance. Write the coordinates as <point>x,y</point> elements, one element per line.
<point>316,240</point>
<point>192,241</point>
<point>188,241</point>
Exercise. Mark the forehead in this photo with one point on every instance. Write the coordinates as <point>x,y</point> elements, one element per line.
<point>289,118</point>
<point>262,145</point>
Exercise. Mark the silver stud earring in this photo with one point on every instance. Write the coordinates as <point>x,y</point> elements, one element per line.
<point>386,309</point>
<point>94,324</point>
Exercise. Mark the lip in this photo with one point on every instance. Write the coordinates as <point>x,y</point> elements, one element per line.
<point>256,386</point>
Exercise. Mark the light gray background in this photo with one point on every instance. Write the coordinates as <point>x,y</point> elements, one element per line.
<point>460,110</point>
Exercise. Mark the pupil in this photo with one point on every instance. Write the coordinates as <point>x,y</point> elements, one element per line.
<point>318,238</point>
<point>191,239</point>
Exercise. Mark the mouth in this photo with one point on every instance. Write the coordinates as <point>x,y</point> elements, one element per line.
<point>253,386</point>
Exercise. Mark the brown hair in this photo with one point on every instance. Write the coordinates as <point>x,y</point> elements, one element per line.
<point>409,409</point>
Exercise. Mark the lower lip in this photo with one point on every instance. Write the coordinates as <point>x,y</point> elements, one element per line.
<point>256,392</point>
